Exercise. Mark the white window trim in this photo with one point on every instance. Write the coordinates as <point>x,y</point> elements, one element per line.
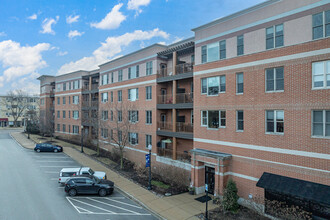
<point>324,124</point>
<point>324,76</point>
<point>203,125</point>
<point>239,93</point>
<point>275,72</point>
<point>237,121</point>
<point>275,126</point>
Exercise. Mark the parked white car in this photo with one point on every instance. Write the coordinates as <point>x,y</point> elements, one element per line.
<point>66,173</point>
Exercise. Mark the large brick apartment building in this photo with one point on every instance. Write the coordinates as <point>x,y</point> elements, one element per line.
<point>246,98</point>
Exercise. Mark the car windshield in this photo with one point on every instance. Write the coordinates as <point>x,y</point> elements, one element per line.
<point>96,180</point>
<point>91,171</point>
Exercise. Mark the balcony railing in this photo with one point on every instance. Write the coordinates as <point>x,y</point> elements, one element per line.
<point>184,68</point>
<point>165,99</point>
<point>168,71</point>
<point>183,156</point>
<point>184,127</point>
<point>86,87</point>
<point>184,97</point>
<point>86,104</point>
<point>180,127</point>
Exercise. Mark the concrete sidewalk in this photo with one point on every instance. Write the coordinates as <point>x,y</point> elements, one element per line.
<point>183,206</point>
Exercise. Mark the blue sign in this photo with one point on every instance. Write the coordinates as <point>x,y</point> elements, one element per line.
<point>206,187</point>
<point>147,160</point>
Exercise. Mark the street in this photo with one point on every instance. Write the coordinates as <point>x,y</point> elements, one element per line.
<point>29,189</point>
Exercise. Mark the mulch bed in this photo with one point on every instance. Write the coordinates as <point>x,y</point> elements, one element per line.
<point>242,214</point>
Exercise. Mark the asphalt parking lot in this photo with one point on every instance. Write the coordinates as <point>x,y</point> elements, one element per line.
<point>115,205</point>
<point>31,190</point>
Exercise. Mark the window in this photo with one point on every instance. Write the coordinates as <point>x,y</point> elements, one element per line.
<point>239,83</point>
<point>204,85</point>
<point>149,117</point>
<point>214,85</point>
<point>213,52</point>
<point>321,74</point>
<point>133,138</point>
<point>69,100</point>
<point>148,93</point>
<point>204,118</point>
<point>104,132</point>
<point>69,85</point>
<point>204,54</point>
<point>321,25</point>
<point>69,127</point>
<point>104,115</point>
<point>58,127</point>
<point>239,120</point>
<point>274,40</point>
<point>75,114</point>
<point>69,114</point>
<point>76,84</point>
<point>104,97</point>
<point>64,86</point>
<point>120,75</point>
<point>111,96</point>
<point>105,79</point>
<point>64,101</point>
<point>192,58</point>
<point>75,129</point>
<point>120,136</point>
<point>275,121</point>
<point>133,116</point>
<point>222,49</point>
<point>275,79</point>
<point>148,140</point>
<point>58,101</point>
<point>149,68</point>
<point>120,116</point>
<point>63,114</point>
<point>120,97</point>
<point>58,87</point>
<point>133,94</point>
<point>111,134</point>
<point>133,72</point>
<point>63,128</point>
<point>321,123</point>
<point>75,99</point>
<point>112,77</point>
<point>111,115</point>
<point>213,119</point>
<point>240,45</point>
<point>58,114</point>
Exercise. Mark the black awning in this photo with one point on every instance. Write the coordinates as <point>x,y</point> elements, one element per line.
<point>295,187</point>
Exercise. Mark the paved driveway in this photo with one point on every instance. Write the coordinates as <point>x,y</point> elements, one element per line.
<point>31,189</point>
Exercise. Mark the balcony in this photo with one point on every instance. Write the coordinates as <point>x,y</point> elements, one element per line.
<point>183,71</point>
<point>183,101</point>
<point>182,130</point>
<point>184,156</point>
<point>86,105</point>
<point>86,89</point>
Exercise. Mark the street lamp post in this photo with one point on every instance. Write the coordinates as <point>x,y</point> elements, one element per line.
<point>149,147</point>
<point>82,139</point>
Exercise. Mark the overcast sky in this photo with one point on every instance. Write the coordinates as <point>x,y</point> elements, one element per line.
<point>54,37</point>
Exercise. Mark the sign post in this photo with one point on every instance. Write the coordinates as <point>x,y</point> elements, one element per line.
<point>206,197</point>
<point>148,164</point>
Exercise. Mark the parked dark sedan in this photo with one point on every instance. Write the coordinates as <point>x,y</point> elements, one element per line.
<point>88,185</point>
<point>48,147</point>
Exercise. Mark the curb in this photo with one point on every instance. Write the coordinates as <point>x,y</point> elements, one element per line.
<point>18,142</point>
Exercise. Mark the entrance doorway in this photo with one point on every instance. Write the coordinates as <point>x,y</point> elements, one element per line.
<point>209,179</point>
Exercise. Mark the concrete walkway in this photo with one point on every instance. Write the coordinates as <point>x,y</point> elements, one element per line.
<point>183,206</point>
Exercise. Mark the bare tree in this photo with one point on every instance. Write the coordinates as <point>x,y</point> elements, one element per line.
<point>117,120</point>
<point>17,103</point>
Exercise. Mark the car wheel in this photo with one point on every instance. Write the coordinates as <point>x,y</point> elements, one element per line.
<point>102,192</point>
<point>55,150</point>
<point>72,192</point>
<point>38,150</point>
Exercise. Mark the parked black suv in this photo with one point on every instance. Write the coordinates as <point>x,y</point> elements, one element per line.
<point>88,185</point>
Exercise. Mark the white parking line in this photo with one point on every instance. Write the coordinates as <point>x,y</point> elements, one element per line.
<point>114,206</point>
<point>86,211</point>
<point>138,207</point>
<point>94,206</point>
<point>60,161</point>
